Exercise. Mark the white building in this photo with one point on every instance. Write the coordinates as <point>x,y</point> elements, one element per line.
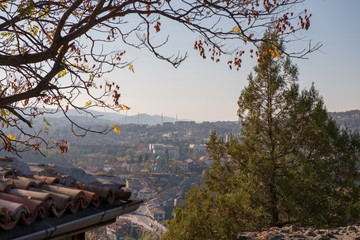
<point>160,149</point>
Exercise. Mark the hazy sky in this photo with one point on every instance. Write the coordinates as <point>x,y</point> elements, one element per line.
<point>205,91</point>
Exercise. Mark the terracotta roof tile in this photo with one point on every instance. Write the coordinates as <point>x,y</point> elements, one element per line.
<point>4,187</point>
<point>46,198</point>
<point>27,195</point>
<point>48,180</point>
<point>24,183</point>
<point>105,193</point>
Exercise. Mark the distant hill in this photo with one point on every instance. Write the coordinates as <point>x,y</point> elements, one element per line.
<point>143,118</point>
<point>113,117</point>
<point>349,119</point>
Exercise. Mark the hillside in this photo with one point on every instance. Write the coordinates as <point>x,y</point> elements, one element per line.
<point>349,119</point>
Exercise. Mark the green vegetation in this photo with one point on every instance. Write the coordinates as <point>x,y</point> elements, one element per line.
<point>292,164</point>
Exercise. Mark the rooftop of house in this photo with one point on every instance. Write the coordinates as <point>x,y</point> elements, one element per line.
<point>147,190</point>
<point>155,210</point>
<point>44,201</point>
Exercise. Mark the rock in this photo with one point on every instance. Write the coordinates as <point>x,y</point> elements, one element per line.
<point>276,229</point>
<point>242,238</point>
<point>293,228</point>
<point>320,237</point>
<point>310,233</point>
<point>351,232</point>
<point>351,228</point>
<point>296,236</point>
<point>330,235</point>
<point>276,236</point>
<point>319,231</point>
<point>289,229</point>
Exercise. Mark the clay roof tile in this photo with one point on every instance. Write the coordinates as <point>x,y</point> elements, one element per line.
<point>28,196</point>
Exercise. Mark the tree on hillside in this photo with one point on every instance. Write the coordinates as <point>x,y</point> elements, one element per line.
<point>54,51</point>
<point>291,164</point>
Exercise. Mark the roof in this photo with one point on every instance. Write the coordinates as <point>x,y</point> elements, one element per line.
<point>40,201</point>
<point>147,190</point>
<point>155,210</point>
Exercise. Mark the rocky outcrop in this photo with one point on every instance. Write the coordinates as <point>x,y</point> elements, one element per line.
<point>351,232</point>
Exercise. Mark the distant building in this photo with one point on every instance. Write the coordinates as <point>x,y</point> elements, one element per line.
<point>166,198</point>
<point>180,202</point>
<point>120,227</point>
<point>160,149</point>
<point>136,167</point>
<point>189,161</point>
<point>114,166</point>
<point>198,147</point>
<point>146,193</point>
<point>157,213</point>
<point>161,165</point>
<point>133,183</point>
<point>182,167</point>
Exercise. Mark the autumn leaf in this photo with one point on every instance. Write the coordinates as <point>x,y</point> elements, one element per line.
<point>62,73</point>
<point>88,103</point>
<point>275,53</point>
<point>116,129</point>
<point>131,67</point>
<point>123,107</point>
<point>157,26</point>
<point>11,137</point>
<point>237,30</point>
<point>3,4</point>
<point>47,123</point>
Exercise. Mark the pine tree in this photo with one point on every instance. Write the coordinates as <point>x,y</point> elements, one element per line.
<point>291,164</point>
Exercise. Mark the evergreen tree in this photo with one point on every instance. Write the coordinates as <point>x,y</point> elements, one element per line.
<point>292,164</point>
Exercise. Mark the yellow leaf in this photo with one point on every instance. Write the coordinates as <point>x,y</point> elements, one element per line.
<point>88,103</point>
<point>11,137</point>
<point>237,30</point>
<point>47,123</point>
<point>116,129</point>
<point>62,73</point>
<point>277,54</point>
<point>123,107</point>
<point>271,52</point>
<point>131,67</point>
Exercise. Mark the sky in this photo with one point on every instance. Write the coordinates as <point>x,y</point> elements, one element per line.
<point>202,90</point>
